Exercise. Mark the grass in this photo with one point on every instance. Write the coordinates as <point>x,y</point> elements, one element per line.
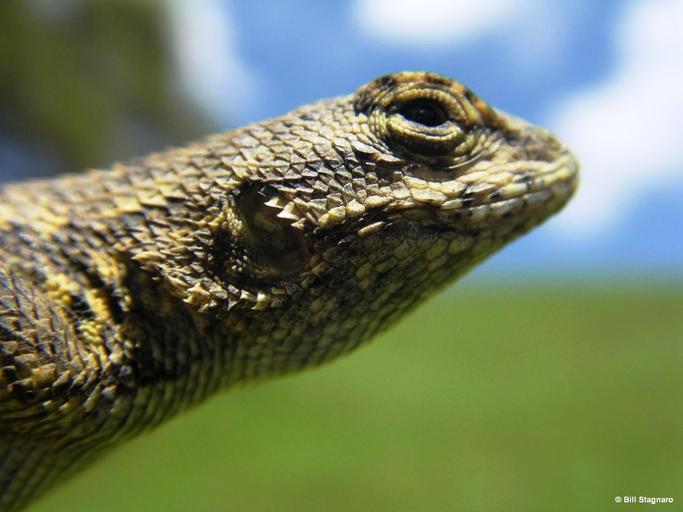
<point>482,400</point>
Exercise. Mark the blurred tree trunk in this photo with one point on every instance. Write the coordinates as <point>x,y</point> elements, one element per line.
<point>88,82</point>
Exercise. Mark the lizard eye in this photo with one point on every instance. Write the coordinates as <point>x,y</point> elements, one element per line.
<point>425,124</point>
<point>428,114</point>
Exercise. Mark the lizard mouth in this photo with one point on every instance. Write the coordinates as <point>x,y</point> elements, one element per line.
<point>536,192</point>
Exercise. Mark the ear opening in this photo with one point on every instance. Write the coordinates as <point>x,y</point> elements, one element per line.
<point>276,244</point>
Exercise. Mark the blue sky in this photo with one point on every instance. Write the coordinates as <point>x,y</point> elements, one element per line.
<point>606,76</point>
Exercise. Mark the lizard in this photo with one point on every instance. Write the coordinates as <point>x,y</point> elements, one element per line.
<point>130,294</point>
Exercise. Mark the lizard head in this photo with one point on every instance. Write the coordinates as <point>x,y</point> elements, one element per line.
<point>343,213</point>
<point>413,165</point>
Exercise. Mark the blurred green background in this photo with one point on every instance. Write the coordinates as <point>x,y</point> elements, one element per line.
<point>85,83</point>
<point>549,392</point>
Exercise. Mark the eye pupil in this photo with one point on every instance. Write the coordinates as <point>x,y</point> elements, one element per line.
<point>423,113</point>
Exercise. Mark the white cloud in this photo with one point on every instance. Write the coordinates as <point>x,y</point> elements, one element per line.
<point>534,34</point>
<point>627,130</point>
<point>534,31</point>
<point>211,69</point>
<point>432,21</point>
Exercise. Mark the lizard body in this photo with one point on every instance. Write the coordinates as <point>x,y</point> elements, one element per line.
<point>130,294</point>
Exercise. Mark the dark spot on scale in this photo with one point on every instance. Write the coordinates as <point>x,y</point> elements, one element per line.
<point>437,79</point>
<point>22,391</point>
<point>81,308</point>
<point>309,116</point>
<point>471,97</point>
<point>525,178</point>
<point>387,81</point>
<point>61,387</point>
<point>9,373</point>
<point>467,199</point>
